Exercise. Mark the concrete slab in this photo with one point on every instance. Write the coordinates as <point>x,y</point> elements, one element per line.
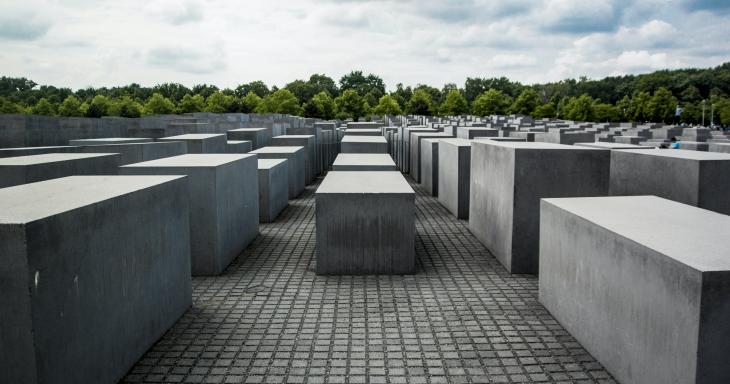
<point>364,162</point>
<point>295,165</point>
<point>238,146</point>
<point>363,132</point>
<point>138,152</point>
<point>259,137</point>
<point>224,214</point>
<point>33,168</point>
<point>608,145</point>
<point>642,283</point>
<point>273,188</point>
<point>508,180</point>
<point>201,142</point>
<point>27,151</point>
<point>95,270</point>
<point>109,140</point>
<point>365,224</point>
<point>415,153</point>
<point>454,170</point>
<point>429,165</point>
<point>364,144</point>
<point>309,142</point>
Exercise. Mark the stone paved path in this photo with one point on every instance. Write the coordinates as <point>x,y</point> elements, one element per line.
<point>461,319</point>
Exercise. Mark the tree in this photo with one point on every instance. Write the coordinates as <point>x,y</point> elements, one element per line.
<point>350,104</point>
<point>204,90</point>
<point>491,102</point>
<point>191,103</point>
<point>282,101</point>
<point>637,110</point>
<point>662,105</point>
<point>420,103</point>
<point>218,102</point>
<point>250,102</point>
<point>363,84</point>
<point>7,106</point>
<point>321,106</point>
<point>158,105</point>
<point>258,87</point>
<point>604,112</point>
<point>125,106</point>
<point>71,106</point>
<point>43,108</point>
<point>525,103</point>
<point>98,107</point>
<point>454,105</point>
<point>580,108</point>
<point>546,110</point>
<point>388,105</point>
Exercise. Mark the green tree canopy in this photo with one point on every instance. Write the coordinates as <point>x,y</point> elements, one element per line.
<point>420,103</point>
<point>258,87</point>
<point>281,101</point>
<point>71,106</point>
<point>125,106</point>
<point>580,108</point>
<point>350,104</point>
<point>7,106</point>
<point>546,110</point>
<point>388,105</point>
<point>158,105</point>
<point>98,107</point>
<point>321,106</point>
<point>250,102</point>
<point>525,103</point>
<point>44,108</point>
<point>362,84</point>
<point>454,105</point>
<point>219,102</point>
<point>191,103</point>
<point>661,106</point>
<point>491,102</point>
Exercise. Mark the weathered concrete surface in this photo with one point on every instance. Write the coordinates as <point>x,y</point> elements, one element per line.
<point>309,142</point>
<point>259,137</point>
<point>238,146</point>
<point>415,154</point>
<point>363,132</point>
<point>27,151</point>
<point>696,178</point>
<point>404,145</point>
<point>319,141</point>
<point>365,224</point>
<point>95,270</point>
<point>109,140</point>
<point>363,125</point>
<point>295,165</point>
<point>364,144</point>
<point>430,165</point>
<point>135,153</point>
<point>713,147</point>
<point>608,145</point>
<point>224,204</point>
<point>642,283</point>
<point>454,170</point>
<point>364,162</point>
<point>273,188</point>
<point>508,180</point>
<point>32,168</point>
<point>474,132</point>
<point>201,142</point>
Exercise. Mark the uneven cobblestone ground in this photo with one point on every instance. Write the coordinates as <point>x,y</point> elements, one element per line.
<point>461,319</point>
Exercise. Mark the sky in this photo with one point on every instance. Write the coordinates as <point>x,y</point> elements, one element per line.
<point>80,43</point>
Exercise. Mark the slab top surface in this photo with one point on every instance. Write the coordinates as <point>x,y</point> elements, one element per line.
<point>192,160</point>
<point>366,130</point>
<point>458,142</point>
<point>270,163</point>
<point>194,136</point>
<point>680,154</point>
<point>687,234</point>
<point>282,149</point>
<point>117,140</point>
<point>48,158</point>
<point>48,147</point>
<point>532,145</point>
<point>364,139</point>
<point>294,137</point>
<point>29,202</point>
<point>383,159</point>
<point>603,144</point>
<point>236,142</point>
<point>361,182</point>
<point>247,130</point>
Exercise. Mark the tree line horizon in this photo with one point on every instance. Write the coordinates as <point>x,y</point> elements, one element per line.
<point>651,97</point>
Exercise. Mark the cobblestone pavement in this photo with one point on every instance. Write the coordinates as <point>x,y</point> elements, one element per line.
<point>460,319</point>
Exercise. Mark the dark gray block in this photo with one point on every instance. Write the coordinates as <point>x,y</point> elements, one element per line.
<point>238,146</point>
<point>642,283</point>
<point>224,204</point>
<point>415,154</point>
<point>508,179</point>
<point>363,132</point>
<point>273,188</point>
<point>26,151</point>
<point>32,168</point>
<point>259,137</point>
<point>135,153</point>
<point>365,224</point>
<point>608,145</point>
<point>309,142</point>
<point>696,178</point>
<point>429,165</point>
<point>454,169</point>
<point>201,142</point>
<point>109,140</point>
<point>713,147</point>
<point>364,144</point>
<point>95,270</point>
<point>474,132</point>
<point>295,165</point>
<point>364,162</point>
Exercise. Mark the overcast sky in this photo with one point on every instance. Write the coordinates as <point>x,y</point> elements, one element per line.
<point>78,43</point>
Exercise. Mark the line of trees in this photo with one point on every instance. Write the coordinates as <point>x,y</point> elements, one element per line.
<point>648,97</point>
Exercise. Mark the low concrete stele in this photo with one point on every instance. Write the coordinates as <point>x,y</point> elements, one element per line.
<point>309,142</point>
<point>642,283</point>
<point>696,178</point>
<point>454,170</point>
<point>224,204</point>
<point>27,151</point>
<point>238,146</point>
<point>415,155</point>
<point>33,168</point>
<point>295,165</point>
<point>273,188</point>
<point>259,137</point>
<point>508,179</point>
<point>363,132</point>
<point>365,224</point>
<point>201,142</point>
<point>138,152</point>
<point>430,165</point>
<point>110,140</point>
<point>95,270</point>
<point>364,144</point>
<point>364,162</point>
<point>608,145</point>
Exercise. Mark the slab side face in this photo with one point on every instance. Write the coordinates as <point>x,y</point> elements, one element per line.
<point>429,165</point>
<point>453,178</point>
<point>34,168</point>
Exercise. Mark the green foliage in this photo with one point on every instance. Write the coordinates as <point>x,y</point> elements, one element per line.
<point>258,87</point>
<point>420,103</point>
<point>388,105</point>
<point>661,106</point>
<point>350,104</point>
<point>98,107</point>
<point>580,108</point>
<point>363,84</point>
<point>305,90</point>
<point>125,106</point>
<point>250,102</point>
<point>525,103</point>
<point>546,110</point>
<point>44,108</point>
<point>7,106</point>
<point>71,107</point>
<point>454,105</point>
<point>219,102</point>
<point>191,103</point>
<point>637,109</point>
<point>282,101</point>
<point>321,106</point>
<point>158,105</point>
<point>473,87</point>
<point>604,112</point>
<point>491,102</point>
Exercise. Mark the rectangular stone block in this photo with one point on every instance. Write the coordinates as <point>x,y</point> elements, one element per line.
<point>109,140</point>
<point>135,153</point>
<point>454,169</point>
<point>309,143</point>
<point>363,125</point>
<point>364,162</point>
<point>405,144</point>
<point>238,146</point>
<point>201,142</point>
<point>365,224</point>
<point>696,178</point>
<point>364,144</point>
<point>32,168</point>
<point>608,145</point>
<point>430,165</point>
<point>224,204</point>
<point>363,132</point>
<point>26,151</point>
<point>509,179</point>
<point>295,165</point>
<point>474,132</point>
<point>273,188</point>
<point>415,155</point>
<point>95,269</point>
<point>642,283</point>
<point>259,137</point>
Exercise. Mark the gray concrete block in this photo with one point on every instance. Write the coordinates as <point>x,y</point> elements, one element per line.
<point>109,140</point>
<point>259,137</point>
<point>364,162</point>
<point>224,204</point>
<point>201,142</point>
<point>454,170</point>
<point>363,125</point>
<point>33,168</point>
<point>95,270</point>
<point>429,165</point>
<point>363,132</point>
<point>474,132</point>
<point>642,283</point>
<point>608,145</point>
<point>713,147</point>
<point>696,178</point>
<point>415,154</point>
<point>509,179</point>
<point>273,188</point>
<point>364,144</point>
<point>365,224</point>
<point>238,146</point>
<point>135,153</point>
<point>27,151</point>
<point>295,165</point>
<point>309,142</point>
